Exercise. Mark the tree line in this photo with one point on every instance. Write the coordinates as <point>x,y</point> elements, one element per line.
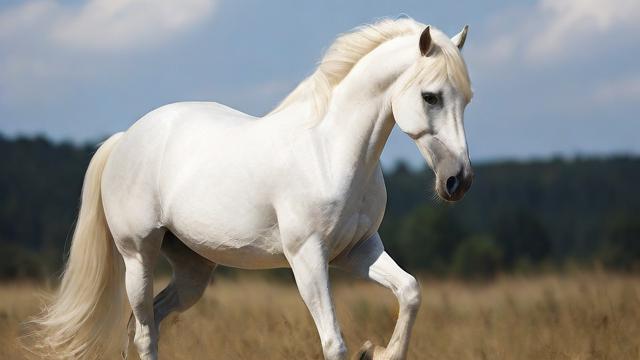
<point>518,216</point>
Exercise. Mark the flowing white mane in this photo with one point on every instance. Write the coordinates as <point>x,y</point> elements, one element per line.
<point>350,47</point>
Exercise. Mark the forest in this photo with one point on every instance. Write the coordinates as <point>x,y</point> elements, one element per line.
<point>519,216</point>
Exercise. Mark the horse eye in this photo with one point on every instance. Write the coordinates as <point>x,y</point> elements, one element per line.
<point>430,98</point>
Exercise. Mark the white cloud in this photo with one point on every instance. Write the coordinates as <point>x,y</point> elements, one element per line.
<point>44,43</point>
<point>578,21</point>
<point>104,25</point>
<point>553,30</point>
<point>122,24</point>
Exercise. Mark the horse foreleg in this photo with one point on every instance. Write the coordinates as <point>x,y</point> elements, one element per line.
<point>369,260</point>
<point>308,261</point>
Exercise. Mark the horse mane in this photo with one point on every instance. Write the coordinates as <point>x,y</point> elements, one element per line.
<point>350,47</point>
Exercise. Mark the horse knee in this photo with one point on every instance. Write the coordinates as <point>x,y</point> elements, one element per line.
<point>334,349</point>
<point>409,293</point>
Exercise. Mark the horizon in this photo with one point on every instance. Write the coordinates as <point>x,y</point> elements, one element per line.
<point>388,166</point>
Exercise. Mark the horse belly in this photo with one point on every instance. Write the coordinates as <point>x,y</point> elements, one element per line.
<point>231,234</point>
<point>238,253</point>
<point>260,251</point>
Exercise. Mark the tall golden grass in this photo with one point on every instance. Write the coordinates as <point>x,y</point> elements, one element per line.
<point>576,316</point>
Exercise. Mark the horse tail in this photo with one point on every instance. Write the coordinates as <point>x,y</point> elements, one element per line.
<point>86,318</point>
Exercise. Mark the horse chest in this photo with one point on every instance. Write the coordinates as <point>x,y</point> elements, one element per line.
<point>345,219</point>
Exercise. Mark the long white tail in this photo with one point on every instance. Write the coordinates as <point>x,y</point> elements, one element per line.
<point>87,317</point>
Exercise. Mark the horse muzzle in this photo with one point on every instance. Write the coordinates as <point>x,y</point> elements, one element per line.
<point>454,174</point>
<point>453,182</point>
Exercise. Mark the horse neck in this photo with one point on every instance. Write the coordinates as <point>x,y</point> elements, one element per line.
<point>355,135</point>
<point>359,119</point>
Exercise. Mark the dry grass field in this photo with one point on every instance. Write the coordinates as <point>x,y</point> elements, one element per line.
<point>577,316</point>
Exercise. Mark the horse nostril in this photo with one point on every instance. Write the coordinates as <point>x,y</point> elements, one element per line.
<point>452,184</point>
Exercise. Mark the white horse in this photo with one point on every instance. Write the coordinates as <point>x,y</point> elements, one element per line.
<point>300,188</point>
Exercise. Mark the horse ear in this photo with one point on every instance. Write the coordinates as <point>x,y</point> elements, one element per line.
<point>425,41</point>
<point>459,39</point>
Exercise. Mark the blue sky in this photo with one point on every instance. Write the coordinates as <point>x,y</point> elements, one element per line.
<point>550,76</point>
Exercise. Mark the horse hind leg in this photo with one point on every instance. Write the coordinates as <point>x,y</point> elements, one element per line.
<point>191,274</point>
<point>140,255</point>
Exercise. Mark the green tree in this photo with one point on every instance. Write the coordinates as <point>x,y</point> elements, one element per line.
<point>522,237</point>
<point>621,245</point>
<point>428,238</point>
<point>477,257</point>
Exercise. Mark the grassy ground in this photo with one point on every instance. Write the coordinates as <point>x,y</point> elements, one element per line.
<point>578,316</point>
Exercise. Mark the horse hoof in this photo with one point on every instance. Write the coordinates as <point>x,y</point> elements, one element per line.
<point>368,351</point>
